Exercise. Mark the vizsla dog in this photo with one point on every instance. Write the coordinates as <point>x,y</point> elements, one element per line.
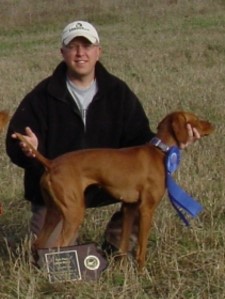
<point>136,176</point>
<point>4,117</point>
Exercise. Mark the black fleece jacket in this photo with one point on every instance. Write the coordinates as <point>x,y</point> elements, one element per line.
<point>115,119</point>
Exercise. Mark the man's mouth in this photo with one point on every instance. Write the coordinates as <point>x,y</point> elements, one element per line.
<point>80,61</point>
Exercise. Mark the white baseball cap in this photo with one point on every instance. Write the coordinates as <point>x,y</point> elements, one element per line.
<point>79,28</point>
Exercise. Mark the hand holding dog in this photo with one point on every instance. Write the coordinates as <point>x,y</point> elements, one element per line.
<point>32,139</point>
<point>193,136</point>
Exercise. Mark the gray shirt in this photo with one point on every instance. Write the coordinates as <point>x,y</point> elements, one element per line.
<point>82,96</point>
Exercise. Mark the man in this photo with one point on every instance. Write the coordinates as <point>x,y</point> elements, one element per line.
<point>81,105</point>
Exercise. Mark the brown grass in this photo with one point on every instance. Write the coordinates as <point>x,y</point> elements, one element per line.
<point>171,53</point>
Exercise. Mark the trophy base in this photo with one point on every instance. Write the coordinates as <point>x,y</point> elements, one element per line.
<point>72,263</point>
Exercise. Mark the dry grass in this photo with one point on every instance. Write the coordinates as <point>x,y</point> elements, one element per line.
<point>172,55</point>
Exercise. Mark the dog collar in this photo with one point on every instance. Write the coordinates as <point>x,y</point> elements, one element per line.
<point>158,143</point>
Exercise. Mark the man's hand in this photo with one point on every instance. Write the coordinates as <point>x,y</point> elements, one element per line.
<point>193,136</point>
<point>32,139</point>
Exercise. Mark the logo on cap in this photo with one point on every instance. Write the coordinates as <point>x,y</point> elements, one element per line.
<point>79,25</point>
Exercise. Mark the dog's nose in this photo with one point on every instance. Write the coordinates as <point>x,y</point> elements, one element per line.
<point>206,128</point>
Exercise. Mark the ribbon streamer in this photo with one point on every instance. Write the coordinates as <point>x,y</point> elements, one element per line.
<point>178,197</point>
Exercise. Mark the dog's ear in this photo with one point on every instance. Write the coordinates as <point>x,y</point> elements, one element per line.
<point>179,127</point>
<point>4,117</point>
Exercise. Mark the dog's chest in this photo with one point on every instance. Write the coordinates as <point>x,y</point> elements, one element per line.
<point>124,195</point>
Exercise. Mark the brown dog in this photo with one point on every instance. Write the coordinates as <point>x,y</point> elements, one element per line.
<point>134,175</point>
<point>4,117</point>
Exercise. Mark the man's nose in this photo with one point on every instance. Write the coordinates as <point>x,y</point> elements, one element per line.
<point>79,49</point>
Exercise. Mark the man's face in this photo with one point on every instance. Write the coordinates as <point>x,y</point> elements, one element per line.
<point>81,56</point>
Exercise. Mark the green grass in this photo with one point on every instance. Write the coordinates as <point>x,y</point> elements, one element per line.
<point>172,54</point>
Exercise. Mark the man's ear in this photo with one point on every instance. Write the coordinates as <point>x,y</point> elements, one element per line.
<point>179,127</point>
<point>99,53</point>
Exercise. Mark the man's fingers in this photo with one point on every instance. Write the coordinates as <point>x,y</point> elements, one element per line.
<point>190,131</point>
<point>196,133</point>
<point>31,139</point>
<point>29,132</point>
<point>14,136</point>
<point>26,150</point>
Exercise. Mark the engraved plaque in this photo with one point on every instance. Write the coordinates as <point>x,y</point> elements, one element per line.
<point>72,263</point>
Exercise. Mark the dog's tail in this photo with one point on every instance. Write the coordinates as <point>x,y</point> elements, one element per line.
<point>44,161</point>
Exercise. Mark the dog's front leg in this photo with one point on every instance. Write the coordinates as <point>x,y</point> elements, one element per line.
<point>145,223</point>
<point>129,212</point>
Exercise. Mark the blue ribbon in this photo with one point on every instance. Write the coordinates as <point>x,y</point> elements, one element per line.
<point>178,197</point>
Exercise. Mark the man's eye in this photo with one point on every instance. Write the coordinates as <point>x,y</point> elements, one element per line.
<point>75,47</point>
<point>87,45</point>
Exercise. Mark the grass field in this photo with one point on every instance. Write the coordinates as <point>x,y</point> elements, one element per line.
<point>172,54</point>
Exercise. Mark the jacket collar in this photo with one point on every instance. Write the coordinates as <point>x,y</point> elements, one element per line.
<point>57,82</point>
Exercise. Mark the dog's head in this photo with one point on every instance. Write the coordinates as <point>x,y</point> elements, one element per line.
<point>176,125</point>
<point>4,117</point>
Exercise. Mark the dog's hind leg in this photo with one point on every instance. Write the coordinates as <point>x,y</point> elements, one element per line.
<point>71,224</point>
<point>52,220</point>
<point>73,215</point>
